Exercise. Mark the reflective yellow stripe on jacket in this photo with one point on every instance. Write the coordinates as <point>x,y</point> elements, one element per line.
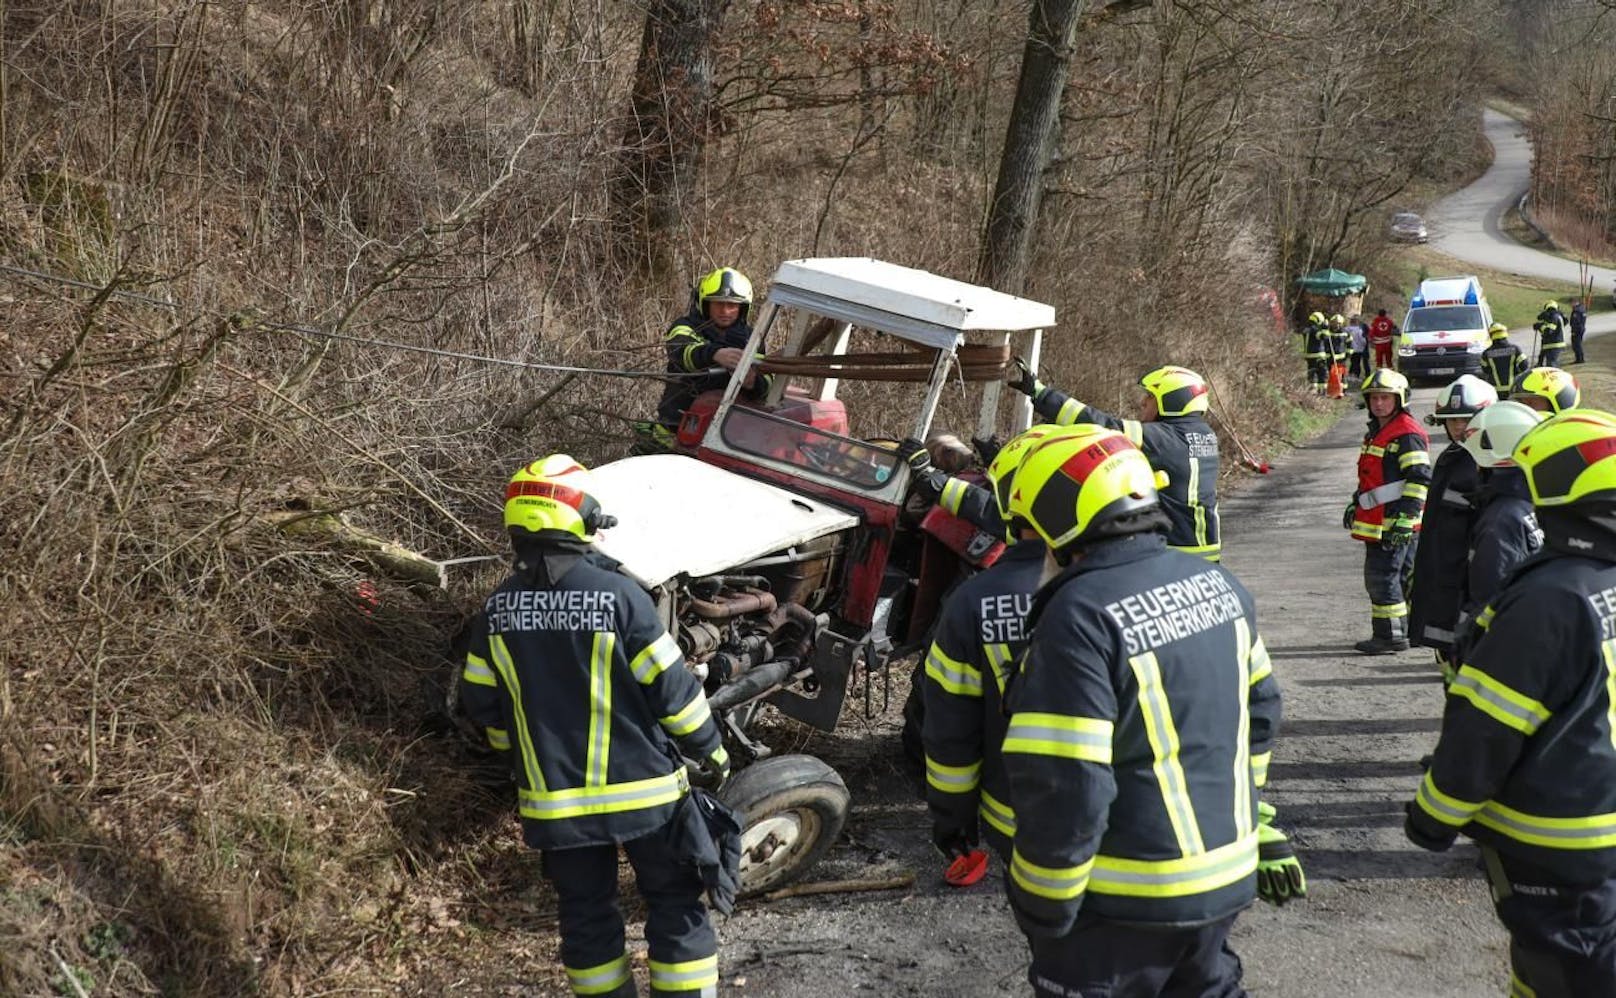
<point>1054,883</point>
<point>998,814</point>
<point>1499,702</point>
<point>1085,739</point>
<point>959,678</point>
<point>953,779</point>
<point>576,802</point>
<point>1165,878</point>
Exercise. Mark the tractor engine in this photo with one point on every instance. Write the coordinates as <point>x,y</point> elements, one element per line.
<point>735,633</point>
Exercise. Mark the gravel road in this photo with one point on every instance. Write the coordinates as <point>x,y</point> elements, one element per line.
<point>1382,918</point>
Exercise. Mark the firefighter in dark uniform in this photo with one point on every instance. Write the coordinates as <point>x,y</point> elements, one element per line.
<point>1141,724</point>
<point>1173,432</point>
<point>981,632</point>
<point>957,495</point>
<point>1441,559</point>
<point>1551,329</point>
<point>1502,361</point>
<point>713,335</point>
<point>1316,350</point>
<point>1505,532</point>
<point>1526,762</point>
<point>1394,475</point>
<point>1547,389</point>
<point>1340,344</point>
<point>572,675</point>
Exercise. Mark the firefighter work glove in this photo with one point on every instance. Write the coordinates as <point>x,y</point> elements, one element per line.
<point>1397,535</point>
<point>1279,872</point>
<point>1425,831</point>
<point>915,455</point>
<point>951,840</point>
<point>987,448</point>
<point>1023,380</point>
<point>1349,514</point>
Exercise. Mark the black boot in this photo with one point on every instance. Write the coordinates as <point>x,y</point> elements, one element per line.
<point>1389,637</point>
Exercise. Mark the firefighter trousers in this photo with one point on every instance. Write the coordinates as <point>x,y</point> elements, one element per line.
<point>1386,576</point>
<point>1550,356</point>
<point>1102,959</point>
<point>684,948</point>
<point>1562,939</point>
<point>1318,372</point>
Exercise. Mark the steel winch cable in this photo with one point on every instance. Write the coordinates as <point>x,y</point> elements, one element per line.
<point>288,327</point>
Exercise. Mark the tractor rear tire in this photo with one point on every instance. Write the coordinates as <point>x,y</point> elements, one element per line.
<point>793,807</point>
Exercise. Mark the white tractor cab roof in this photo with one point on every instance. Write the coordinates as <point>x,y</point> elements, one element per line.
<point>816,304</point>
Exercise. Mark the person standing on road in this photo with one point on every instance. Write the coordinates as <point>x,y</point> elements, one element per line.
<point>1442,556</point>
<point>1526,763</point>
<point>1505,532</point>
<point>712,336</point>
<point>1340,348</point>
<point>981,633</point>
<point>1141,724</point>
<point>1551,330</point>
<point>573,677</point>
<point>1501,362</point>
<point>1382,335</point>
<point>1546,389</point>
<point>1173,433</point>
<point>1358,341</point>
<point>1579,329</point>
<point>1394,475</point>
<point>1316,351</point>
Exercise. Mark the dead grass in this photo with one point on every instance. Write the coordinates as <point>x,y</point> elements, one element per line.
<point>224,767</point>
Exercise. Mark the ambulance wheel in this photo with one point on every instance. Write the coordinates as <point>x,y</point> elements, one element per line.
<point>794,807</point>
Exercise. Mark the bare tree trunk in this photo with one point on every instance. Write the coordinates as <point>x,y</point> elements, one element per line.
<point>1029,142</point>
<point>667,129</point>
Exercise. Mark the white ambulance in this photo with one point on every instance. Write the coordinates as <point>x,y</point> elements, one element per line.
<point>1445,330</point>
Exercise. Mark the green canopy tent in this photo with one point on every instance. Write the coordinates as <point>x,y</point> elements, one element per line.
<point>1331,291</point>
<point>1332,283</point>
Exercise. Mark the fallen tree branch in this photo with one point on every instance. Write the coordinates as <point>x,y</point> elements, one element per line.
<point>842,887</point>
<point>397,561</point>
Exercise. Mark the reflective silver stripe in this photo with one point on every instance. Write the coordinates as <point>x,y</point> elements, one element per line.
<point>953,779</point>
<point>477,671</point>
<point>1454,497</point>
<point>654,658</point>
<point>1176,877</point>
<point>954,677</point>
<point>1437,633</point>
<point>997,814</point>
<point>1380,495</point>
<point>1594,832</point>
<point>1469,684</point>
<point>602,800</point>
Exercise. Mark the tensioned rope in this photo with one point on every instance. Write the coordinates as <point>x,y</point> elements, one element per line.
<point>972,362</point>
<point>366,340</point>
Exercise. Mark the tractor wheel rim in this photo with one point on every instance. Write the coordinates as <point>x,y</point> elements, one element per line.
<point>772,844</point>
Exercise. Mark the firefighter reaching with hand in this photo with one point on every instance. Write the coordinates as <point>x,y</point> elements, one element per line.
<point>709,342</point>
<point>1394,475</point>
<point>1141,725</point>
<point>1526,761</point>
<point>573,677</point>
<point>981,632</point>
<point>1551,326</point>
<point>1173,433</point>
